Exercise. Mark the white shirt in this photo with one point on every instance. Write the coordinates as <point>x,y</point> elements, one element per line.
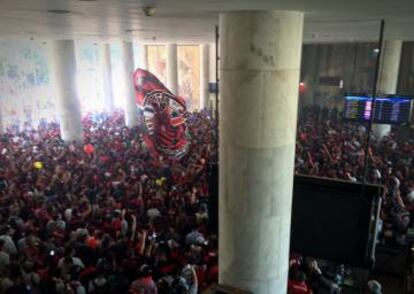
<point>9,246</point>
<point>4,260</point>
<point>75,260</point>
<point>153,213</point>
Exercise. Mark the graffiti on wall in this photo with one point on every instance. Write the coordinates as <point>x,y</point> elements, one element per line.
<point>188,62</point>
<point>25,92</point>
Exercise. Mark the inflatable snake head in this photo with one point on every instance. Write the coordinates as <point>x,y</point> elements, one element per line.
<point>164,117</point>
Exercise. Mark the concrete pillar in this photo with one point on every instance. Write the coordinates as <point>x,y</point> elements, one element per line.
<point>142,56</point>
<point>311,77</point>
<point>1,122</point>
<point>172,68</point>
<point>204,75</point>
<point>259,76</point>
<point>130,105</point>
<point>106,70</point>
<point>212,67</point>
<point>64,75</point>
<point>388,79</point>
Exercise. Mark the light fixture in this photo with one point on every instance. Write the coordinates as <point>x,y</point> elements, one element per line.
<point>376,50</point>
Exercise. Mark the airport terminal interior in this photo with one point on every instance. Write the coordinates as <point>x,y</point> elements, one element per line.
<point>204,146</point>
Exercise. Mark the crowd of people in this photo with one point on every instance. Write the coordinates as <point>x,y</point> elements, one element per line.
<point>108,218</point>
<point>329,147</point>
<point>111,218</point>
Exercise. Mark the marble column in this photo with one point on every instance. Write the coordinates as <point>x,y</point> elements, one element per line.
<point>259,75</point>
<point>212,67</point>
<point>388,79</point>
<point>172,68</point>
<point>142,56</point>
<point>204,75</point>
<point>130,105</point>
<point>1,122</point>
<point>64,75</point>
<point>311,77</point>
<point>106,70</point>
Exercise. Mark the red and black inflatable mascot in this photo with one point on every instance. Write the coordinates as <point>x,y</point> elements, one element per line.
<point>164,115</point>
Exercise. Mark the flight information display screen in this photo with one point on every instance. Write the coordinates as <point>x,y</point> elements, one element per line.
<point>388,109</point>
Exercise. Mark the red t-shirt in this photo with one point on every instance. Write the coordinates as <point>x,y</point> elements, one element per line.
<point>297,287</point>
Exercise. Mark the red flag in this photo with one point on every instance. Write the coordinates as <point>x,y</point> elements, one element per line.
<point>164,117</point>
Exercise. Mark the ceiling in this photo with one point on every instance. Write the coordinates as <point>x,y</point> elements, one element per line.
<point>193,21</point>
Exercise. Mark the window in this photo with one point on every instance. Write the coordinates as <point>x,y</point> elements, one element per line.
<point>157,62</point>
<point>189,75</point>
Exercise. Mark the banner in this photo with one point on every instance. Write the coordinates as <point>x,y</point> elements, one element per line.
<point>164,117</point>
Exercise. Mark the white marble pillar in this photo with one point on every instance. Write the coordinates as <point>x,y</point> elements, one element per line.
<point>388,79</point>
<point>204,75</point>
<point>64,76</point>
<point>172,68</point>
<point>312,70</point>
<point>130,105</point>
<point>1,122</point>
<point>260,54</point>
<point>212,60</point>
<point>106,70</point>
<point>213,74</point>
<point>142,56</point>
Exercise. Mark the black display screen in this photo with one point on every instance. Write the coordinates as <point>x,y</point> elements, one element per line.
<point>332,220</point>
<point>388,109</point>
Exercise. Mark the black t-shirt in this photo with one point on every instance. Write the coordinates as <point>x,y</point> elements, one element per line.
<point>86,254</point>
<point>3,183</point>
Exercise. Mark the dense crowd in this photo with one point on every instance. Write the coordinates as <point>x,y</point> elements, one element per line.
<point>108,218</point>
<point>329,147</point>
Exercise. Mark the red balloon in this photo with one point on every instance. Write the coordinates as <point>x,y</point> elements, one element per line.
<point>88,149</point>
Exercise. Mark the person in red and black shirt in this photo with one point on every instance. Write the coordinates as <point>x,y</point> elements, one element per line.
<point>298,285</point>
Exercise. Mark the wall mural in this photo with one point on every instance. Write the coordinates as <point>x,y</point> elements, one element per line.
<point>89,78</point>
<point>188,62</point>
<point>25,92</point>
<point>27,95</point>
